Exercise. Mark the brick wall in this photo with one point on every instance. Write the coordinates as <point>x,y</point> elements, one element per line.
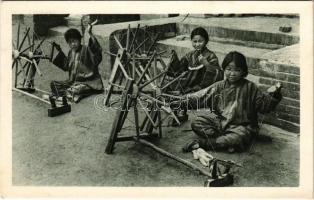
<point>287,114</point>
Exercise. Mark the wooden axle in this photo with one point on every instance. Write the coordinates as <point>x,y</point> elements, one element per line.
<point>174,157</point>
<point>31,95</point>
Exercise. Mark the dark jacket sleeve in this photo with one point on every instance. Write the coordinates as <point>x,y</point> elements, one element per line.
<point>264,102</point>
<point>213,62</point>
<point>61,61</point>
<point>176,66</point>
<point>95,51</point>
<point>213,72</point>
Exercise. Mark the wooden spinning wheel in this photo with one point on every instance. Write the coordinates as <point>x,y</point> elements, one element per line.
<point>140,74</point>
<point>25,61</point>
<point>134,50</point>
<point>143,83</point>
<point>26,58</point>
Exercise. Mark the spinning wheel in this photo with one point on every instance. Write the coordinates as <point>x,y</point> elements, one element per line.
<point>26,59</point>
<point>140,74</point>
<point>143,71</point>
<point>142,82</point>
<point>135,49</point>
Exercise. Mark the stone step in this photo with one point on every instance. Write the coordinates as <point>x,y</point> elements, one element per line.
<point>221,40</point>
<point>284,124</point>
<point>255,29</point>
<point>184,46</point>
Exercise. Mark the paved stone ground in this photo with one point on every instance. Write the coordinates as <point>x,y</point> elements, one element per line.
<point>69,150</point>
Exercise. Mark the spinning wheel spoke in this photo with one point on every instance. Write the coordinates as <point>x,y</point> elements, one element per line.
<point>152,80</point>
<point>171,113</point>
<point>146,112</point>
<point>18,36</point>
<point>140,45</point>
<point>144,37</point>
<point>13,44</point>
<point>39,45</point>
<point>152,99</point>
<point>123,71</point>
<point>127,38</point>
<point>147,75</point>
<point>153,44</point>
<point>22,68</point>
<point>118,42</point>
<point>29,41</point>
<point>163,106</point>
<point>133,66</point>
<point>149,33</point>
<point>13,64</point>
<point>33,40</point>
<point>37,68</point>
<point>146,68</point>
<point>173,81</point>
<point>27,48</point>
<point>166,70</point>
<point>155,70</point>
<point>171,96</point>
<point>23,40</point>
<point>26,65</point>
<point>16,70</point>
<point>111,54</point>
<point>134,37</point>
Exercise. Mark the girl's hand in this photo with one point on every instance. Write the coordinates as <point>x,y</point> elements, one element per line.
<point>90,26</point>
<point>202,59</point>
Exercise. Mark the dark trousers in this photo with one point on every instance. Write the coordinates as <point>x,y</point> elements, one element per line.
<point>58,88</point>
<point>212,135</point>
<point>76,90</point>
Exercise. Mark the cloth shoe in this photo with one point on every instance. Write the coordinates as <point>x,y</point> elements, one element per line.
<point>190,146</point>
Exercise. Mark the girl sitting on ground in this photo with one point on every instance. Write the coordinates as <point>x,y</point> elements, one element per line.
<point>235,103</point>
<point>200,66</point>
<point>82,65</point>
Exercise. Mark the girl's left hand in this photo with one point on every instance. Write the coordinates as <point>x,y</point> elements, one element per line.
<point>202,59</point>
<point>90,26</point>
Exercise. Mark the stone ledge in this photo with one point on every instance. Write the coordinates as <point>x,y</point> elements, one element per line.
<point>245,35</point>
<point>289,55</point>
<point>290,102</point>
<point>268,24</point>
<point>282,107</point>
<point>289,126</point>
<point>288,117</point>
<point>282,76</point>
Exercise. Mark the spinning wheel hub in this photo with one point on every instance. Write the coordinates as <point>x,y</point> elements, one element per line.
<point>16,53</point>
<point>30,54</point>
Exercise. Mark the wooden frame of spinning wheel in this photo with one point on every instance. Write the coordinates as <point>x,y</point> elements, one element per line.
<point>137,78</point>
<point>31,59</point>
